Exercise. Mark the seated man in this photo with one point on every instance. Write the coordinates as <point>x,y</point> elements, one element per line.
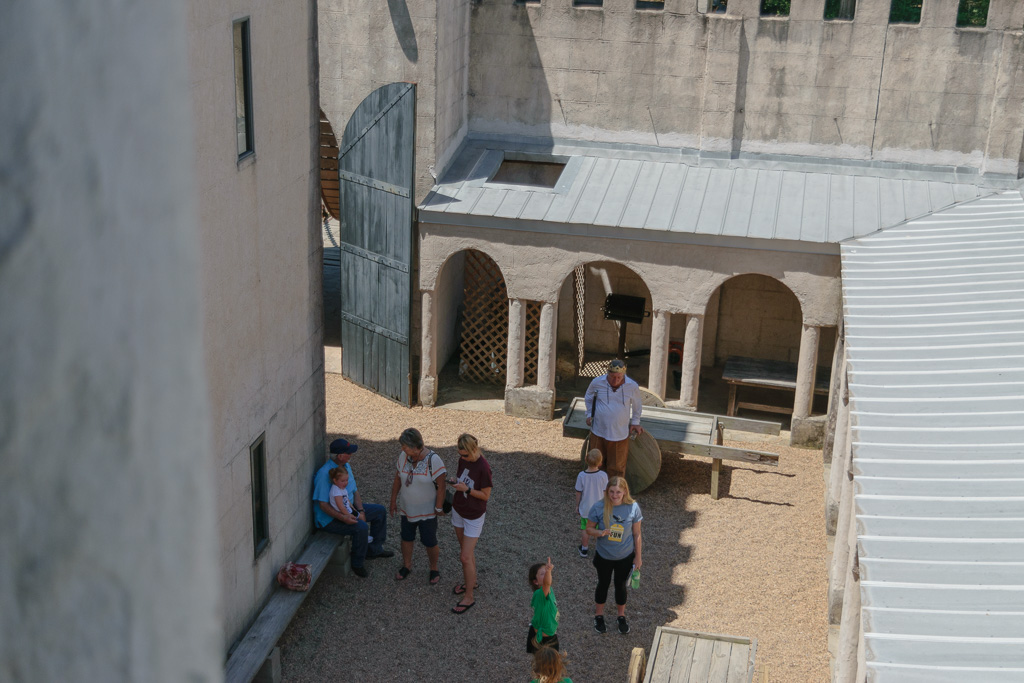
<point>372,519</point>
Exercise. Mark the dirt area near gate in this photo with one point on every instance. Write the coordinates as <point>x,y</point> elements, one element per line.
<point>750,564</point>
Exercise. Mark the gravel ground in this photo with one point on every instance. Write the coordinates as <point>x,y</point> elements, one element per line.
<point>750,564</point>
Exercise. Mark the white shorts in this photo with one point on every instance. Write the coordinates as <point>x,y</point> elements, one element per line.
<point>470,527</point>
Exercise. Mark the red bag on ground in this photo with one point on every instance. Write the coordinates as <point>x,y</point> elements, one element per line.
<point>295,577</point>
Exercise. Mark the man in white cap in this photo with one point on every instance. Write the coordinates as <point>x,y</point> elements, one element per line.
<point>614,405</point>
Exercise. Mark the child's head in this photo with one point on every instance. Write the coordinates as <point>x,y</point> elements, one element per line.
<point>594,458</point>
<point>338,477</point>
<point>537,572</point>
<point>548,665</point>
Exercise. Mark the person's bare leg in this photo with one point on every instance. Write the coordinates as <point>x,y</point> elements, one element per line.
<point>407,555</point>
<point>598,609</point>
<point>468,567</point>
<point>584,539</point>
<point>432,555</point>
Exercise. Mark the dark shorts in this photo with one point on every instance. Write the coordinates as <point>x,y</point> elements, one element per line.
<point>428,531</point>
<point>547,641</point>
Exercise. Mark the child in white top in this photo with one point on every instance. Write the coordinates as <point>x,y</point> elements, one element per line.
<point>338,496</point>
<point>590,486</point>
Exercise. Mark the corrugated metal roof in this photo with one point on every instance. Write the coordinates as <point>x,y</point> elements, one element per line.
<point>684,194</point>
<point>935,341</point>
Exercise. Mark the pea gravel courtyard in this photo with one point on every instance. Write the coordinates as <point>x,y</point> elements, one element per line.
<point>750,564</point>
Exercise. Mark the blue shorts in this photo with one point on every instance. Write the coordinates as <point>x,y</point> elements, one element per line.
<point>428,531</point>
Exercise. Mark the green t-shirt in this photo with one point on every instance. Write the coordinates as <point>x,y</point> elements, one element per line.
<point>545,613</point>
<point>564,680</point>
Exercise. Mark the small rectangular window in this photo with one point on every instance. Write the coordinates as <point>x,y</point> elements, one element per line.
<point>650,4</point>
<point>840,9</point>
<point>972,13</point>
<point>260,506</point>
<point>587,3</point>
<point>243,88</point>
<point>905,12</point>
<point>718,6</point>
<point>775,8</point>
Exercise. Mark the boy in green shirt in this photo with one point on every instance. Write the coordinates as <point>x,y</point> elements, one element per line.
<point>544,625</point>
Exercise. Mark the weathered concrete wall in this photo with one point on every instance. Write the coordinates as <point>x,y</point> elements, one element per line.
<point>108,552</point>
<point>449,299</point>
<point>365,45</point>
<point>452,79</point>
<point>736,82</point>
<point>261,273</point>
<point>681,278</point>
<point>758,317</point>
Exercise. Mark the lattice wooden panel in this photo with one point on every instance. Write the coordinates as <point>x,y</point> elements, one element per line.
<point>579,308</point>
<point>532,341</point>
<point>483,350</point>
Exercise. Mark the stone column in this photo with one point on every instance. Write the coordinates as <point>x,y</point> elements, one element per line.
<point>428,350</point>
<point>850,623</point>
<point>516,343</point>
<point>691,361</point>
<point>838,571</point>
<point>806,367</point>
<point>546,347</point>
<point>659,353</point>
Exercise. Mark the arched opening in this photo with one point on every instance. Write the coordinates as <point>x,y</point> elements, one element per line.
<point>472,330</point>
<point>759,319</point>
<point>588,338</point>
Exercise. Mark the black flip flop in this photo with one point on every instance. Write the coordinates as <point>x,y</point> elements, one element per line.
<point>435,577</point>
<point>465,608</point>
<point>403,574</point>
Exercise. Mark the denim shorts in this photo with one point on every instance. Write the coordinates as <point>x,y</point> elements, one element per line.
<point>428,531</point>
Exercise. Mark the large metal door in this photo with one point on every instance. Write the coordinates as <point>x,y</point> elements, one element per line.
<point>376,169</point>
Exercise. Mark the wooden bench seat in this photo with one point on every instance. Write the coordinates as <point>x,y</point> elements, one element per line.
<point>766,374</point>
<point>251,651</point>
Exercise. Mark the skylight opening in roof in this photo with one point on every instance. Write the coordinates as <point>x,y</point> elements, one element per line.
<point>530,173</point>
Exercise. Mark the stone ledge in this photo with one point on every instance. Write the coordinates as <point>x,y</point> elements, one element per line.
<point>532,402</point>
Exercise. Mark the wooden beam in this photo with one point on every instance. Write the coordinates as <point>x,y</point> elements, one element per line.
<point>722,452</point>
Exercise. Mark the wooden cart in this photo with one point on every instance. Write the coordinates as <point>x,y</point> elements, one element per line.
<point>676,431</point>
<point>694,657</point>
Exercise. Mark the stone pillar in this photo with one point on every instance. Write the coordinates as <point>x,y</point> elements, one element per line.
<point>516,343</point>
<point>840,459</point>
<point>535,401</point>
<point>659,353</point>
<point>838,571</point>
<point>546,346</point>
<point>805,370</point>
<point>428,350</point>
<point>691,362</point>
<point>850,624</point>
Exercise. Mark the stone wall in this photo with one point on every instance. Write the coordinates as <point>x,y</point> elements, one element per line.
<point>738,82</point>
<point>261,273</point>
<point>108,550</point>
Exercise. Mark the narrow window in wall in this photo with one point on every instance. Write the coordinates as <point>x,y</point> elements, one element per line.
<point>587,3</point>
<point>905,11</point>
<point>972,13</point>
<point>839,9</point>
<point>718,6</point>
<point>260,507</point>
<point>650,4</point>
<point>243,88</point>
<point>775,8</point>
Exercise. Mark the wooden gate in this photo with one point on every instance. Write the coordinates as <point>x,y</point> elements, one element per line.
<point>376,173</point>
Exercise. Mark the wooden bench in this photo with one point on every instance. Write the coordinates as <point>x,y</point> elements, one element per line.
<point>740,371</point>
<point>250,653</point>
<point>679,656</point>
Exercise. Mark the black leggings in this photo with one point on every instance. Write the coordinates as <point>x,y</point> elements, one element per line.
<point>622,569</point>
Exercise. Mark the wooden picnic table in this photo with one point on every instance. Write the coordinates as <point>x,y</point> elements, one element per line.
<point>694,657</point>
<point>740,371</point>
<point>679,431</point>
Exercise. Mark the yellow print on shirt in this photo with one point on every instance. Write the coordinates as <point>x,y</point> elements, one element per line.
<point>615,532</point>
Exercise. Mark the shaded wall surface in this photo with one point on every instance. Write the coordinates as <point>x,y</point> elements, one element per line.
<point>738,82</point>
<point>108,558</point>
<point>261,276</point>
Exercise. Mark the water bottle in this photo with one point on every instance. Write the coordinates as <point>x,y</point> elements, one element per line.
<point>634,578</point>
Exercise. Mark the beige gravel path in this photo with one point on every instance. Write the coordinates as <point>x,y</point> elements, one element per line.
<point>750,564</point>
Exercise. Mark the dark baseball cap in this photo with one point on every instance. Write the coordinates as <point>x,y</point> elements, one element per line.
<point>339,446</point>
